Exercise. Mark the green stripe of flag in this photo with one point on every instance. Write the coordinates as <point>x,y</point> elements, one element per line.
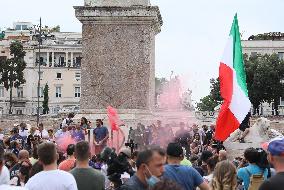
<point>238,56</point>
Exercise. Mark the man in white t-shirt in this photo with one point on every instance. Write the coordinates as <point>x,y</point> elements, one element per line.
<point>4,172</point>
<point>50,177</point>
<point>41,132</point>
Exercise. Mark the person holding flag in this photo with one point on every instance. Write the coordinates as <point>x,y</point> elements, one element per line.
<point>233,86</point>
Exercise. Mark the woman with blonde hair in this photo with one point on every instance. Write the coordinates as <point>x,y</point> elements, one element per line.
<point>224,177</point>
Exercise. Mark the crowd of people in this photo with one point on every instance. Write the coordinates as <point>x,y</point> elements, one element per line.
<point>158,157</point>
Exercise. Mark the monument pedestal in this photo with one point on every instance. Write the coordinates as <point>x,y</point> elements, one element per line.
<point>118,65</point>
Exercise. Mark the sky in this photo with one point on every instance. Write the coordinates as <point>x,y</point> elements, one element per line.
<point>193,35</point>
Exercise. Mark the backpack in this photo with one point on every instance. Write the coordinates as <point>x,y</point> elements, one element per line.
<point>255,180</point>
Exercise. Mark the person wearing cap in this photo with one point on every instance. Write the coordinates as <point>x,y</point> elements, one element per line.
<point>187,177</point>
<point>276,158</point>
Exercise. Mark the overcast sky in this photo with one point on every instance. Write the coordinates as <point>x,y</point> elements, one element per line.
<point>192,38</point>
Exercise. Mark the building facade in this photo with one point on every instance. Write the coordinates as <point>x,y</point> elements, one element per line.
<point>60,57</point>
<point>269,43</point>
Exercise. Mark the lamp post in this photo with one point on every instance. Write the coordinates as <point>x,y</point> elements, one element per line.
<point>39,63</point>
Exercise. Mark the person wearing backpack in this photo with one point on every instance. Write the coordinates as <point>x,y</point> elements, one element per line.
<point>275,157</point>
<point>255,173</point>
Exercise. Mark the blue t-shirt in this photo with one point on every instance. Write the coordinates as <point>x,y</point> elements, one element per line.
<point>253,169</point>
<point>100,133</point>
<point>187,177</point>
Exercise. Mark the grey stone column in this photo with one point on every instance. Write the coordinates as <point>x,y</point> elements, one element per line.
<point>118,66</point>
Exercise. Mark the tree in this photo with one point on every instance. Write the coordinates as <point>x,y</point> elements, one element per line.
<point>55,29</point>
<point>215,90</point>
<point>12,70</point>
<point>207,104</point>
<point>45,99</point>
<point>264,78</point>
<point>159,83</point>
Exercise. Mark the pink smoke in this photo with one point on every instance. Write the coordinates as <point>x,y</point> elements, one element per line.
<point>64,141</point>
<point>170,98</point>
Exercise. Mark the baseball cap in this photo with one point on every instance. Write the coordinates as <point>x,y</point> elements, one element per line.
<point>174,150</point>
<point>276,147</point>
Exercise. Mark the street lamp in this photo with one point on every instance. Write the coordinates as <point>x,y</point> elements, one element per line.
<point>39,39</point>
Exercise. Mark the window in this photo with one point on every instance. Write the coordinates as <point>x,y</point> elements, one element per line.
<point>78,76</point>
<point>24,27</point>
<point>41,92</point>
<point>58,75</point>
<point>77,92</point>
<point>2,51</point>
<point>18,27</point>
<point>281,55</point>
<point>20,92</point>
<point>58,92</point>
<point>1,91</point>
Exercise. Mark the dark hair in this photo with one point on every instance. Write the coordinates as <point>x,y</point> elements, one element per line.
<point>212,162</point>
<point>175,150</point>
<point>47,153</point>
<point>36,168</point>
<point>251,155</point>
<point>206,155</point>
<point>1,154</point>
<point>70,149</point>
<point>85,120</point>
<point>70,115</point>
<point>145,156</point>
<point>166,185</point>
<point>82,151</point>
<point>134,154</point>
<point>40,125</point>
<point>100,121</point>
<point>25,171</point>
<point>34,152</point>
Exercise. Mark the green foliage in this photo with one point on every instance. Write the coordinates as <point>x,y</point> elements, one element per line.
<point>264,73</point>
<point>264,76</point>
<point>55,29</point>
<point>215,90</point>
<point>159,83</point>
<point>2,35</point>
<point>12,70</point>
<point>207,104</point>
<point>45,99</point>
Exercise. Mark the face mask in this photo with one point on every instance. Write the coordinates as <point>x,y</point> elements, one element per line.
<point>152,181</point>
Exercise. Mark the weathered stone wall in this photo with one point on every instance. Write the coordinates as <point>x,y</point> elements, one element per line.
<point>118,66</point>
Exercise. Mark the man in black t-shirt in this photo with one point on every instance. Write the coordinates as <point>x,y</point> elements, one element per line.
<point>275,157</point>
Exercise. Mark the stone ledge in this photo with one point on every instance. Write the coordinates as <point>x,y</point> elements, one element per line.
<point>122,15</point>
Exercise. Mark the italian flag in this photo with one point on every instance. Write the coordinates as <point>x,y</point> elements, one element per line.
<point>233,86</point>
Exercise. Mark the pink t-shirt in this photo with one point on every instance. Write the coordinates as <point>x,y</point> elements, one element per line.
<point>67,165</point>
